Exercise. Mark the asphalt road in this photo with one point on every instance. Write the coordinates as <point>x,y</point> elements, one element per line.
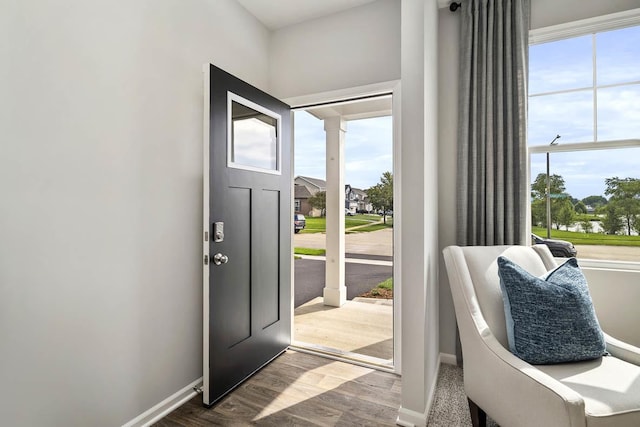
<point>359,278</point>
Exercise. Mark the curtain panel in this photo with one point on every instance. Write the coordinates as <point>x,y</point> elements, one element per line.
<point>492,106</point>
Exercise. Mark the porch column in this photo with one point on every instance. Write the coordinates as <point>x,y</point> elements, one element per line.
<point>335,291</point>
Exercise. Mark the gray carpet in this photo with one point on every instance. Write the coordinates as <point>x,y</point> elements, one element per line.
<point>450,407</point>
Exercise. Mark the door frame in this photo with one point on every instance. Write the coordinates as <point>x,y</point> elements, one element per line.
<point>206,191</point>
<point>393,87</point>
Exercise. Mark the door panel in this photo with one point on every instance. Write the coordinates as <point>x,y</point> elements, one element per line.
<point>233,280</point>
<point>268,232</point>
<point>247,281</point>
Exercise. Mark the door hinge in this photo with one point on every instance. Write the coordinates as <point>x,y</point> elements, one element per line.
<point>206,260</point>
<point>206,236</point>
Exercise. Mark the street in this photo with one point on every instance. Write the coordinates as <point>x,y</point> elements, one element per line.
<point>359,278</point>
<point>360,275</point>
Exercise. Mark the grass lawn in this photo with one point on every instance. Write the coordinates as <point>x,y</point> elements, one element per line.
<point>309,251</point>
<point>318,225</point>
<point>382,290</point>
<point>387,284</point>
<point>578,238</point>
<point>373,227</point>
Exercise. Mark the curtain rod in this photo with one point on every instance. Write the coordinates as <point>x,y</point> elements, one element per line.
<point>454,6</point>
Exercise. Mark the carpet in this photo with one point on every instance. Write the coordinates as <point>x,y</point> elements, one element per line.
<point>450,407</point>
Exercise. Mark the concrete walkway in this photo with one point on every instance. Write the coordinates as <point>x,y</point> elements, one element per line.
<point>378,242</point>
<point>360,326</point>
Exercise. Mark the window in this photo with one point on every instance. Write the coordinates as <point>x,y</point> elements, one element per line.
<point>297,205</point>
<point>584,85</point>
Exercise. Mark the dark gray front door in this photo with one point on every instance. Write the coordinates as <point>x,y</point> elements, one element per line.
<point>247,232</point>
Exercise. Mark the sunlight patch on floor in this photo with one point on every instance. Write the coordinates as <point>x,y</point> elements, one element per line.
<point>324,378</point>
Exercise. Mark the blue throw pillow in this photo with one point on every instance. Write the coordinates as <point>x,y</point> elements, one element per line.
<point>550,319</point>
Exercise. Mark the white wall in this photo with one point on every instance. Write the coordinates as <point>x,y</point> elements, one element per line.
<point>100,179</point>
<point>448,29</point>
<point>354,48</point>
<point>615,295</point>
<point>543,13</point>
<point>419,236</point>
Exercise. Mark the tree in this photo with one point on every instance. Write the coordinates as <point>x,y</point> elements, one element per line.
<point>319,201</point>
<point>595,201</point>
<point>636,224</point>
<point>625,196</point>
<point>539,186</point>
<point>566,215</point>
<point>580,208</point>
<point>539,192</point>
<point>539,213</point>
<point>586,225</point>
<point>611,223</point>
<point>381,194</point>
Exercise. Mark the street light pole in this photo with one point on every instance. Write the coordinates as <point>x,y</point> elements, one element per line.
<point>549,191</point>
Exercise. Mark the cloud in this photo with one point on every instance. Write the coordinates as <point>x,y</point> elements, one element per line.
<point>368,149</point>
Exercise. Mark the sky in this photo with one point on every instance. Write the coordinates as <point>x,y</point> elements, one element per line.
<point>564,65</point>
<point>368,149</point>
<point>568,65</point>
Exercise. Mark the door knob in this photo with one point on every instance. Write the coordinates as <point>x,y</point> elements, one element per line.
<point>220,259</point>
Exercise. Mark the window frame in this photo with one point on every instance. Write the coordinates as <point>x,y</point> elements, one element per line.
<point>573,29</point>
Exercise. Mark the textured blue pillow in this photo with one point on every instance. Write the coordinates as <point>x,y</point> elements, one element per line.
<point>550,319</point>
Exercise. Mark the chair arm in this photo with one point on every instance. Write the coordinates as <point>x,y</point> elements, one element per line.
<point>622,350</point>
<point>513,391</point>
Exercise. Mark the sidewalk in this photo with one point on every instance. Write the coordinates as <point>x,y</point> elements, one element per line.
<point>378,242</point>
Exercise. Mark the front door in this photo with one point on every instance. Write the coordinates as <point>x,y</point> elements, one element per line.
<point>247,231</point>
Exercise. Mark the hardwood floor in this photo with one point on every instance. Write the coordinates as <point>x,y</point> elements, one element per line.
<point>299,389</point>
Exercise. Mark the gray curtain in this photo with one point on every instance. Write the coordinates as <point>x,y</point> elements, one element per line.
<point>492,107</point>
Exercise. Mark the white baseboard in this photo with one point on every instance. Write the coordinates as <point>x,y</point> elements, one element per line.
<point>409,418</point>
<point>162,409</point>
<point>449,359</point>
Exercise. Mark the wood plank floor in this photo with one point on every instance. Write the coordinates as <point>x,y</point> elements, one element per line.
<point>299,389</point>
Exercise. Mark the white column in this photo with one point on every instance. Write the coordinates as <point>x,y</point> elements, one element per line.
<point>335,291</point>
<point>419,210</point>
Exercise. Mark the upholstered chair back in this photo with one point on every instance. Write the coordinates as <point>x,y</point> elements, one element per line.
<point>483,269</point>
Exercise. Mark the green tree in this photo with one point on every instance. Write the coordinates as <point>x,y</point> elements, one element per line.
<point>539,186</point>
<point>566,214</point>
<point>636,224</point>
<point>580,208</point>
<point>539,192</point>
<point>594,201</point>
<point>319,201</point>
<point>586,225</point>
<point>381,194</point>
<point>612,222</point>
<point>539,213</point>
<point>625,196</point>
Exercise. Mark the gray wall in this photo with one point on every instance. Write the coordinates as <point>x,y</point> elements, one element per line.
<point>101,171</point>
<point>543,13</point>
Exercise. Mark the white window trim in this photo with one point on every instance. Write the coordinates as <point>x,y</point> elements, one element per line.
<point>614,21</point>
<point>585,146</point>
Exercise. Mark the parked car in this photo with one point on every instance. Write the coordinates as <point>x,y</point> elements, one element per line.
<point>558,248</point>
<point>347,212</point>
<point>299,223</point>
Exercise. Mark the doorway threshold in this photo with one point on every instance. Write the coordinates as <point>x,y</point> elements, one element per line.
<point>344,356</point>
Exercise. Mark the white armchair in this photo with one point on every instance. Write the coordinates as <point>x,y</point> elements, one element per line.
<point>600,392</point>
